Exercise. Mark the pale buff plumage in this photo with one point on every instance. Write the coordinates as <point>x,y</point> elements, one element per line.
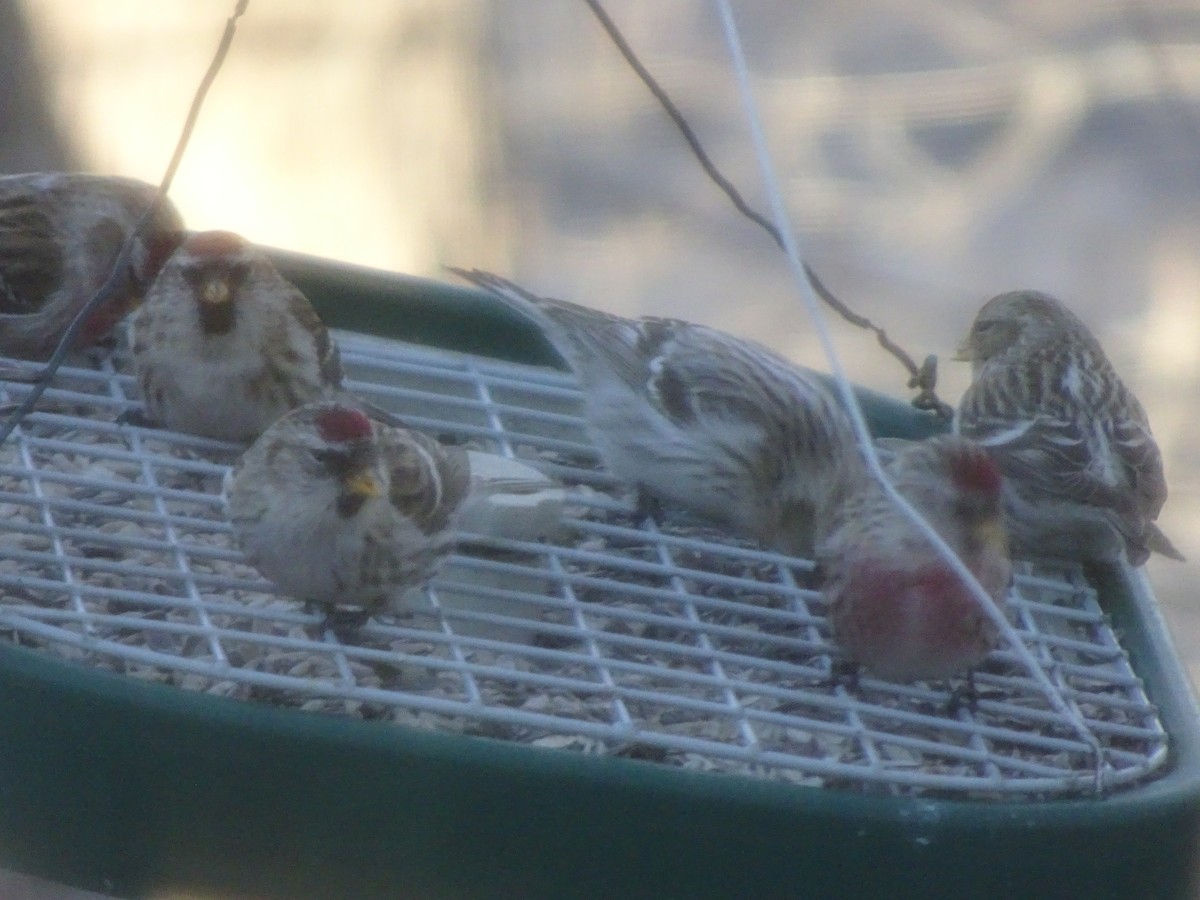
<point>694,416</point>
<point>60,236</point>
<point>1083,474</point>
<point>224,345</point>
<point>342,511</point>
<point>895,605</point>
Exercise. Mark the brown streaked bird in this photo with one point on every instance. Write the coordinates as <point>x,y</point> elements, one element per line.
<point>60,236</point>
<point>1083,474</point>
<point>895,605</point>
<point>224,345</point>
<point>691,415</point>
<point>345,512</point>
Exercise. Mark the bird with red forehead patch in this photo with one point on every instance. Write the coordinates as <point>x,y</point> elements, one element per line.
<point>224,345</point>
<point>60,237</point>
<point>345,512</point>
<point>895,605</point>
<point>1083,474</point>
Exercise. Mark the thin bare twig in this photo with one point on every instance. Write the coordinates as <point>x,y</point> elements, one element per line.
<point>922,377</point>
<point>41,380</point>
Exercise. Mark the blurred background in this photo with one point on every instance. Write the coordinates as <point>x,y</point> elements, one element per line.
<point>933,154</point>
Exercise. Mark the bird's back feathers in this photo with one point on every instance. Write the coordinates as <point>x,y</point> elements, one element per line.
<point>1062,426</point>
<point>695,416</point>
<point>60,235</point>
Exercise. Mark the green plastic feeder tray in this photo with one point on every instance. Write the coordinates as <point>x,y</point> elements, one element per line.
<point>171,726</point>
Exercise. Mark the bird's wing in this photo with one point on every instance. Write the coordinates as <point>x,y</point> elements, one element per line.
<point>429,481</point>
<point>1140,458</point>
<point>1102,454</point>
<point>329,358</point>
<point>32,254</point>
<point>689,373</point>
<point>1052,456</point>
<point>594,343</point>
<point>703,375</point>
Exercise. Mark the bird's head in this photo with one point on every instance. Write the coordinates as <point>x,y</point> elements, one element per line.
<point>1018,319</point>
<point>214,264</point>
<point>345,452</point>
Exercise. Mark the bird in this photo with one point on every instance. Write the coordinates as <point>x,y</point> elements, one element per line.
<point>224,345</point>
<point>1083,474</point>
<point>344,512</point>
<point>693,416</point>
<point>896,607</point>
<point>61,234</point>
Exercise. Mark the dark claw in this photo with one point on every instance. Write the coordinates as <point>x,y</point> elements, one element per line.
<point>545,641</point>
<point>344,622</point>
<point>843,673</point>
<point>341,620</point>
<point>648,506</point>
<point>966,693</point>
<point>137,417</point>
<point>812,580</point>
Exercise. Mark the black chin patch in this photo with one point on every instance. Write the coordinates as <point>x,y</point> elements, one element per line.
<point>216,318</point>
<point>348,505</point>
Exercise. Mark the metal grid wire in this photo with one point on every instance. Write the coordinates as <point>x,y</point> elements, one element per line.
<point>672,644</point>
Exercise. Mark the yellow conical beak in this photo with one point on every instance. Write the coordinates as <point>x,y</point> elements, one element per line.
<point>362,484</point>
<point>215,292</point>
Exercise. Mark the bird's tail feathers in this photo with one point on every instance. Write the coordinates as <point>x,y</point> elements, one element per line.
<point>1158,542</point>
<point>563,322</point>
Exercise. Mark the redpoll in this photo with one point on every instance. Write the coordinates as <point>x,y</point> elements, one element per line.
<point>344,512</point>
<point>895,605</point>
<point>691,415</point>
<point>60,236</point>
<point>224,345</point>
<point>1084,477</point>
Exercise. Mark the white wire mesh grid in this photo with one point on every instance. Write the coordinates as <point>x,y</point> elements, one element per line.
<point>672,644</point>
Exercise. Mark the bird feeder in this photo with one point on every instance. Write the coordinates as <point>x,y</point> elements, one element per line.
<point>623,710</point>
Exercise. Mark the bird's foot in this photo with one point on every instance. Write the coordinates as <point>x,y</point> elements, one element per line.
<point>648,506</point>
<point>965,694</point>
<point>843,673</point>
<point>138,418</point>
<point>343,621</point>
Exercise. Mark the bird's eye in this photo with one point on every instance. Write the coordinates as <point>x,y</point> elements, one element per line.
<point>331,460</point>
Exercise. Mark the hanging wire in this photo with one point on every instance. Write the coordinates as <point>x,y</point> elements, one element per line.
<point>809,296</point>
<point>42,379</point>
<point>922,377</point>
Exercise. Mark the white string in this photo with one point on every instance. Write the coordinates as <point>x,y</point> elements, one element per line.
<point>850,401</point>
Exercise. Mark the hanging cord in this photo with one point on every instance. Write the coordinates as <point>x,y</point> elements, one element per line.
<point>846,391</point>
<point>42,378</point>
<point>922,377</point>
